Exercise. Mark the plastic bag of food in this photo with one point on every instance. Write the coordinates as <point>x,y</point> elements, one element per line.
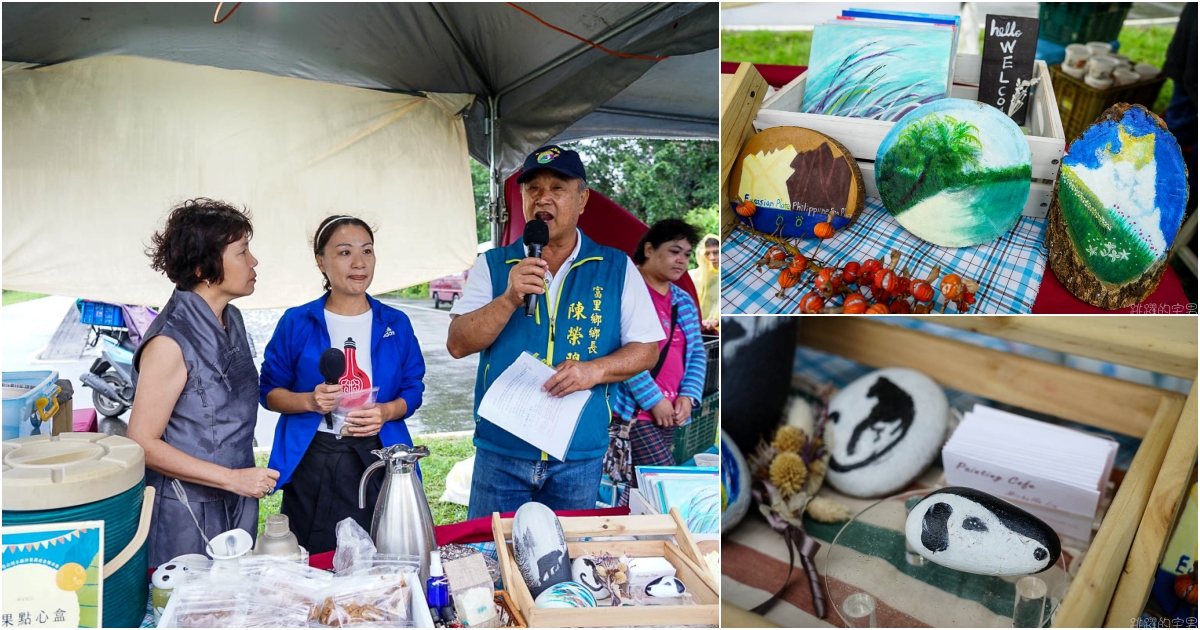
<point>354,546</point>
<point>355,600</point>
<point>385,563</point>
<point>289,584</point>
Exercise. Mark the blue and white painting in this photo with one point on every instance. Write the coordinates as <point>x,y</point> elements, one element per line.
<point>1122,190</point>
<point>876,72</point>
<point>955,172</point>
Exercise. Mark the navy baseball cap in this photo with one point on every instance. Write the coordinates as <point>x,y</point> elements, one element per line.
<point>554,158</point>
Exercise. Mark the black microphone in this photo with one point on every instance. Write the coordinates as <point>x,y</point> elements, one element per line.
<point>537,234</point>
<point>333,365</point>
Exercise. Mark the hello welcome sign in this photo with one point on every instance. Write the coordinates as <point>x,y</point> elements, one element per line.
<point>1009,47</point>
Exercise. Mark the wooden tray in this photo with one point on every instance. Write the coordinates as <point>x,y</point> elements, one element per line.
<point>862,136</point>
<point>1113,583</point>
<point>684,555</point>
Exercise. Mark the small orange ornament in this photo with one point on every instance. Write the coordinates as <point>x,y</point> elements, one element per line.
<point>900,307</point>
<point>1185,587</point>
<point>799,264</point>
<point>921,291</point>
<point>855,304</point>
<point>746,208</point>
<point>776,253</point>
<point>811,303</point>
<point>866,275</point>
<point>823,230</point>
<point>885,281</point>
<point>787,280</point>
<point>878,308</point>
<point>952,287</point>
<point>850,272</point>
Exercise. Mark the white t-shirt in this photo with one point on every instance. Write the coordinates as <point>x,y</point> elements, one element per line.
<point>639,322</point>
<point>343,331</point>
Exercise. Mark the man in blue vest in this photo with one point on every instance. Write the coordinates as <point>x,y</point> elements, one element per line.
<point>594,323</point>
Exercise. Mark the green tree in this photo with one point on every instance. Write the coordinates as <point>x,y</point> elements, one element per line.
<point>939,145</point>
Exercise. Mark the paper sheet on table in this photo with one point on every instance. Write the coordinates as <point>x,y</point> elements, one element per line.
<point>516,403</point>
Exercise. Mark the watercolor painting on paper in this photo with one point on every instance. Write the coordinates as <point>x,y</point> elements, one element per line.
<point>876,72</point>
<point>1122,191</point>
<point>955,172</point>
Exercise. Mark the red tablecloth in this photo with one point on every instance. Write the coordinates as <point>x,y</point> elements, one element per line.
<point>472,531</point>
<point>776,76</point>
<point>1169,297</point>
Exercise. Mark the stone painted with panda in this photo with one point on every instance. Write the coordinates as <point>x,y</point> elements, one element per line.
<point>887,428</point>
<point>975,532</point>
<point>539,547</point>
<point>666,586</point>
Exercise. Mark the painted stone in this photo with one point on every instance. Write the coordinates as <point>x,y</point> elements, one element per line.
<point>666,586</point>
<point>539,547</point>
<point>954,172</point>
<point>1117,206</point>
<point>565,595</point>
<point>583,572</point>
<point>735,484</point>
<point>975,532</point>
<point>797,178</point>
<point>887,428</point>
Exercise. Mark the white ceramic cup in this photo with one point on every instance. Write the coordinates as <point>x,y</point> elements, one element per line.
<point>1101,67</point>
<point>1146,71</point>
<point>1077,58</point>
<point>1100,48</point>
<point>1100,83</point>
<point>1125,76</point>
<point>219,548</point>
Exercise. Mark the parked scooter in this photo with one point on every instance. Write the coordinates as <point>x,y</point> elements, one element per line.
<point>111,375</point>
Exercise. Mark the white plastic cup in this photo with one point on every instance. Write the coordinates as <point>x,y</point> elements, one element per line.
<point>1122,60</point>
<point>1125,76</point>
<point>1146,71</point>
<point>1100,83</point>
<point>1101,67</point>
<point>1076,59</point>
<point>1073,71</point>
<point>1100,48</point>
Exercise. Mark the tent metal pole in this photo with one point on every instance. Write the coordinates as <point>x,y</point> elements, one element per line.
<point>494,205</point>
<point>579,50</point>
<point>643,114</point>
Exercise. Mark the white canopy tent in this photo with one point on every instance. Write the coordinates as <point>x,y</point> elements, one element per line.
<point>115,111</point>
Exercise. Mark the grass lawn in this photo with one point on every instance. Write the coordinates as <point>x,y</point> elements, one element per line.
<point>448,451</point>
<point>14,297</point>
<point>1142,44</point>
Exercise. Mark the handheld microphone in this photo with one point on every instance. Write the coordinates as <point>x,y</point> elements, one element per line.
<point>537,234</point>
<point>333,365</point>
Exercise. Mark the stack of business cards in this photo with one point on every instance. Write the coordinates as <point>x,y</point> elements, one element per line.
<point>1059,474</point>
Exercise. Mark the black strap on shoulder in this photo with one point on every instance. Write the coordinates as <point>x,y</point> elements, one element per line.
<point>662,356</point>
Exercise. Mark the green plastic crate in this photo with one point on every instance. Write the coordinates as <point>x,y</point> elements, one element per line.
<point>701,432</point>
<point>1070,22</point>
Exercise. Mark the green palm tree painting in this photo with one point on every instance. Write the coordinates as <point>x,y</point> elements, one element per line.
<point>936,177</point>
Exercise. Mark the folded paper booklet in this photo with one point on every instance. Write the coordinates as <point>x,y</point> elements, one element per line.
<point>1029,462</point>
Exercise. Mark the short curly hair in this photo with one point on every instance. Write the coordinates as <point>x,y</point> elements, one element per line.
<point>194,240</point>
<point>664,231</point>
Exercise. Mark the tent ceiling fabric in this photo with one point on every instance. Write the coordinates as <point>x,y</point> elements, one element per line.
<point>473,48</point>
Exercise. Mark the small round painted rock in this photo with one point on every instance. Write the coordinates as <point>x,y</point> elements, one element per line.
<point>539,547</point>
<point>665,586</point>
<point>887,428</point>
<point>975,532</point>
<point>735,484</point>
<point>798,179</point>
<point>583,572</point>
<point>565,595</point>
<point>954,172</point>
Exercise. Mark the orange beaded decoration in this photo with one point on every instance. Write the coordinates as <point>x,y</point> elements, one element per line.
<point>1185,587</point>
<point>878,309</point>
<point>799,264</point>
<point>921,291</point>
<point>823,230</point>
<point>787,280</point>
<point>900,307</point>
<point>811,303</point>
<point>746,208</point>
<point>855,304</point>
<point>850,272</point>
<point>952,287</point>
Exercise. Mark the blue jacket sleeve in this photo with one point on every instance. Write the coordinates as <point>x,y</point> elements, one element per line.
<point>412,369</point>
<point>278,366</point>
<point>697,359</point>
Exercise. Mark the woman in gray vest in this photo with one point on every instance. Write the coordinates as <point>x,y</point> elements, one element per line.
<point>197,386</point>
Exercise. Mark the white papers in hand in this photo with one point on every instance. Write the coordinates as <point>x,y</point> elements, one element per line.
<point>516,403</point>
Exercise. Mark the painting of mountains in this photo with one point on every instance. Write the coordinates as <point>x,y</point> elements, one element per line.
<point>1122,191</point>
<point>955,173</point>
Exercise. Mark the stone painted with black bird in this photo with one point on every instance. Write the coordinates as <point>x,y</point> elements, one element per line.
<point>975,532</point>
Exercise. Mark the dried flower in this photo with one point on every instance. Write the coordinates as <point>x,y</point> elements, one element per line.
<point>788,473</point>
<point>760,461</point>
<point>828,510</point>
<point>619,578</point>
<point>601,571</point>
<point>788,439</point>
<point>817,468</point>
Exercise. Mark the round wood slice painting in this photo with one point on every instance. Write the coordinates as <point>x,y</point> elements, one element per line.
<point>954,172</point>
<point>1118,204</point>
<point>797,178</point>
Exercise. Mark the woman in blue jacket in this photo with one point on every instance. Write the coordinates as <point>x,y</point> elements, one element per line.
<point>320,462</point>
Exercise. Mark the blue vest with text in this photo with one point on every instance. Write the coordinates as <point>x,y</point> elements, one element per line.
<point>583,324</point>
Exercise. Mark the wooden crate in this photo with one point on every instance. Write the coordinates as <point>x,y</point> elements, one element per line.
<point>862,136</point>
<point>1113,583</point>
<point>682,553</point>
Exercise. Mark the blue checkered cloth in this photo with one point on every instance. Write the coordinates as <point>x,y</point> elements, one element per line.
<point>1008,269</point>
